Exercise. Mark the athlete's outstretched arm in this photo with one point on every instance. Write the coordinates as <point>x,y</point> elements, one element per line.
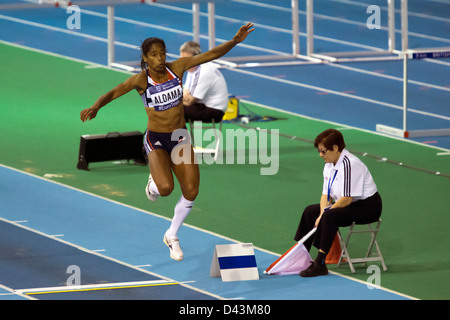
<point>217,51</point>
<point>129,84</point>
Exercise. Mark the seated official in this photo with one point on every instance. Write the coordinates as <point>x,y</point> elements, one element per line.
<point>205,93</point>
<point>349,194</point>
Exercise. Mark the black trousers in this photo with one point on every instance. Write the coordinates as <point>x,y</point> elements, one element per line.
<point>361,212</point>
<point>200,112</point>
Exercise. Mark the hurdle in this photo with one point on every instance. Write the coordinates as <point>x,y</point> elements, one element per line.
<point>276,60</point>
<point>430,53</point>
<point>352,56</point>
<point>130,66</point>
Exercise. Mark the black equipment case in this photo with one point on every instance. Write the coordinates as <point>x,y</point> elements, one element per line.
<point>111,146</point>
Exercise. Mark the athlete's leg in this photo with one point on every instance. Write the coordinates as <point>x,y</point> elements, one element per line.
<point>187,173</point>
<point>160,166</point>
<point>188,176</point>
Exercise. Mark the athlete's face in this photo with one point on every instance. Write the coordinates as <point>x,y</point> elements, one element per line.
<point>156,57</point>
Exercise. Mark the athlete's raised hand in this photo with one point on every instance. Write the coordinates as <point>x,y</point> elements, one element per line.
<point>243,32</point>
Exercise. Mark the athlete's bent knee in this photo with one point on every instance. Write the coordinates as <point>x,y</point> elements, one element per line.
<point>165,189</point>
<point>190,192</point>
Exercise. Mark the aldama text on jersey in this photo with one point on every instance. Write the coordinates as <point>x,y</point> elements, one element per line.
<point>166,95</point>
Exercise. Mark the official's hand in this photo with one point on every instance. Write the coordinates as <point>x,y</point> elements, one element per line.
<point>186,96</point>
<point>243,32</point>
<point>317,222</point>
<point>88,114</point>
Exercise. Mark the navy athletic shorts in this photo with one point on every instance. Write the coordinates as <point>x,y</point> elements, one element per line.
<point>165,141</point>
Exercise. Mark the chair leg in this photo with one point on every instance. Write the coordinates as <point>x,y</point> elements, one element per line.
<point>199,149</point>
<point>373,236</point>
<point>349,260</point>
<point>191,128</point>
<point>216,149</point>
<point>342,251</point>
<point>373,233</point>
<point>378,248</point>
<point>345,254</point>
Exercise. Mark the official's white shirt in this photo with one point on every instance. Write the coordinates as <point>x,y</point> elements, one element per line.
<point>348,178</point>
<point>208,85</point>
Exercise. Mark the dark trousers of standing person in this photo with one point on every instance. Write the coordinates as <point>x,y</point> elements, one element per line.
<point>361,212</point>
<point>200,112</point>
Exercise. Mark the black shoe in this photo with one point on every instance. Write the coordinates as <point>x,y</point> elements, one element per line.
<point>314,270</point>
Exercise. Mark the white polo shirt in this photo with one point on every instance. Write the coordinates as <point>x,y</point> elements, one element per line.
<point>208,85</point>
<point>348,178</point>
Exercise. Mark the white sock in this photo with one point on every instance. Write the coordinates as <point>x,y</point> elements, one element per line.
<point>182,210</point>
<point>153,187</point>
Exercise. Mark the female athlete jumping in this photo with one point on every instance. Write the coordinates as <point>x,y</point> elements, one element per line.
<point>160,86</point>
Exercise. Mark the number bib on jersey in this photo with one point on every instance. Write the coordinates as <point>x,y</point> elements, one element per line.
<point>166,95</point>
<point>163,96</point>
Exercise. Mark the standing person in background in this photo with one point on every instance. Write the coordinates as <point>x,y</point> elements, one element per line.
<point>205,95</point>
<point>160,86</point>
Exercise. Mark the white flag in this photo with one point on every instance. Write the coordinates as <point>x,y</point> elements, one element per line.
<point>293,261</point>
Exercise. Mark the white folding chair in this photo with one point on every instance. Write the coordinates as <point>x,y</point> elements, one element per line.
<point>206,125</point>
<point>370,256</point>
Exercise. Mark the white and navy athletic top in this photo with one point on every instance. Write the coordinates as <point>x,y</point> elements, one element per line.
<point>163,96</point>
<point>348,178</point>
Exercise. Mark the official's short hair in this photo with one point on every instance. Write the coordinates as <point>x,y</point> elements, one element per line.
<point>329,138</point>
<point>191,47</point>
